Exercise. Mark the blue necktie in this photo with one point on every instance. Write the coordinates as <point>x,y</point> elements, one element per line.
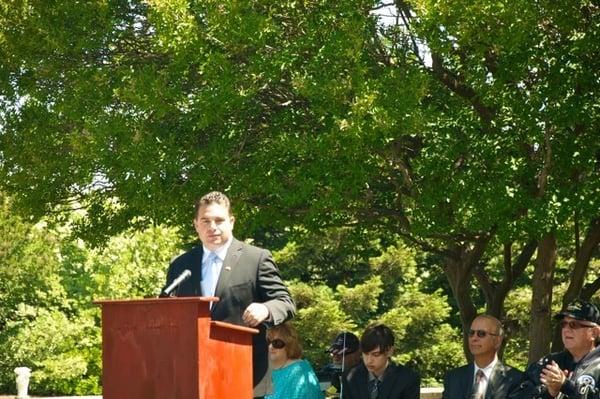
<point>211,275</point>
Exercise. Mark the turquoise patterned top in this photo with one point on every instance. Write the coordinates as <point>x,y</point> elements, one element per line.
<point>295,381</point>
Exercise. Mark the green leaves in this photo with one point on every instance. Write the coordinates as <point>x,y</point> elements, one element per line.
<point>465,119</point>
<point>308,113</point>
<point>48,282</point>
<point>395,293</point>
<point>62,353</point>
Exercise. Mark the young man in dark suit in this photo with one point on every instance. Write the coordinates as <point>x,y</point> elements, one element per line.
<point>486,377</point>
<point>377,377</point>
<point>245,278</point>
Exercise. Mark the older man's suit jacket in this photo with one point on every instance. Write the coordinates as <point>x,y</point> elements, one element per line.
<point>504,382</point>
<point>399,382</point>
<point>249,274</point>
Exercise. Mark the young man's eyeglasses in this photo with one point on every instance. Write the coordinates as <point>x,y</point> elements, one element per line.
<point>276,343</point>
<point>575,325</point>
<point>480,333</point>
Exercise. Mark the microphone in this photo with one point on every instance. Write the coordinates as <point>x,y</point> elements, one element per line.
<point>180,279</point>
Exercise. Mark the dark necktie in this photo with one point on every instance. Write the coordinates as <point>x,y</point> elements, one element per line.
<point>479,386</point>
<point>374,391</point>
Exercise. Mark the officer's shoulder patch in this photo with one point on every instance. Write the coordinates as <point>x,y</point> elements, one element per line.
<point>585,382</point>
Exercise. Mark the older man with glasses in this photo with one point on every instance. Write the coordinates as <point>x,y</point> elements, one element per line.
<point>573,373</point>
<point>485,377</point>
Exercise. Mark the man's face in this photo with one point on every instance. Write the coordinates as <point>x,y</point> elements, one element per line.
<point>489,343</point>
<point>376,360</point>
<point>350,359</point>
<point>214,225</point>
<point>578,336</point>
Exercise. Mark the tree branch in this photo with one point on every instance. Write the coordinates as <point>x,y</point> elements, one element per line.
<point>582,262</point>
<point>456,85</point>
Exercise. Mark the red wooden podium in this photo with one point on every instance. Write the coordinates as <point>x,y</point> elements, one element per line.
<point>169,348</point>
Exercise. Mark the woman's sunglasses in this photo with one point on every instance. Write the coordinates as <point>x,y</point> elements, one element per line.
<point>276,343</point>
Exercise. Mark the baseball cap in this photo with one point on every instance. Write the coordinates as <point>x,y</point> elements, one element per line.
<point>581,310</point>
<point>344,343</point>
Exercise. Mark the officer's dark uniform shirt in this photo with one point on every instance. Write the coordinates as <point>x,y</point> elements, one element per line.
<point>583,381</point>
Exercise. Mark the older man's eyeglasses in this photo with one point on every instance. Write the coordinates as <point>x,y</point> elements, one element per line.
<point>575,325</point>
<point>276,343</point>
<point>480,333</point>
<point>341,352</point>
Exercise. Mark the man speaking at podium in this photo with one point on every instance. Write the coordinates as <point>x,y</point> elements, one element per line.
<point>245,278</point>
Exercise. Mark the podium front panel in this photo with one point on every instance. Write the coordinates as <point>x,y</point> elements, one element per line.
<point>170,349</point>
<point>230,362</point>
<point>150,350</point>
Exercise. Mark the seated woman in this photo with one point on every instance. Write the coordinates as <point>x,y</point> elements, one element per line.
<point>293,377</point>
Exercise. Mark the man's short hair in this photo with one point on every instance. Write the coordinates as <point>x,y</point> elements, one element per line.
<point>377,336</point>
<point>497,323</point>
<point>212,198</point>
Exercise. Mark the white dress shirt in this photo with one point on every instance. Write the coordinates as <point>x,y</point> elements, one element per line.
<point>487,370</point>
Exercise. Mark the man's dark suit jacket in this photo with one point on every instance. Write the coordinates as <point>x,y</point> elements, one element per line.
<point>249,274</point>
<point>503,382</point>
<point>399,382</point>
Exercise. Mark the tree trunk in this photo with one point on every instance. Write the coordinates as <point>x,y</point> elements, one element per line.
<point>541,303</point>
<point>460,283</point>
<point>459,272</point>
<point>582,263</point>
<point>495,292</point>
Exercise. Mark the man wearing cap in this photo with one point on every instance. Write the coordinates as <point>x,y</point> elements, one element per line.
<point>574,372</point>
<point>345,354</point>
<point>486,377</point>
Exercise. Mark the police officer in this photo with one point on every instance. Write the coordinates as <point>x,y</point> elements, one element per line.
<point>573,373</point>
<point>345,354</point>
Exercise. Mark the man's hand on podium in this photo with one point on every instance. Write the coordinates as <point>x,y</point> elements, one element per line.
<point>255,314</point>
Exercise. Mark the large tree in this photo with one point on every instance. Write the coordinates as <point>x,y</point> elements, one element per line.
<point>517,104</point>
<point>469,127</point>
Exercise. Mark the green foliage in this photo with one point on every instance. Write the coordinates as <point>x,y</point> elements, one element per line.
<point>518,317</point>
<point>48,283</point>
<point>312,117</point>
<point>161,101</point>
<point>63,353</point>
<point>397,267</point>
<point>361,301</point>
<point>335,256</point>
<point>509,130</point>
<point>320,318</point>
<point>134,265</point>
<point>425,339</point>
